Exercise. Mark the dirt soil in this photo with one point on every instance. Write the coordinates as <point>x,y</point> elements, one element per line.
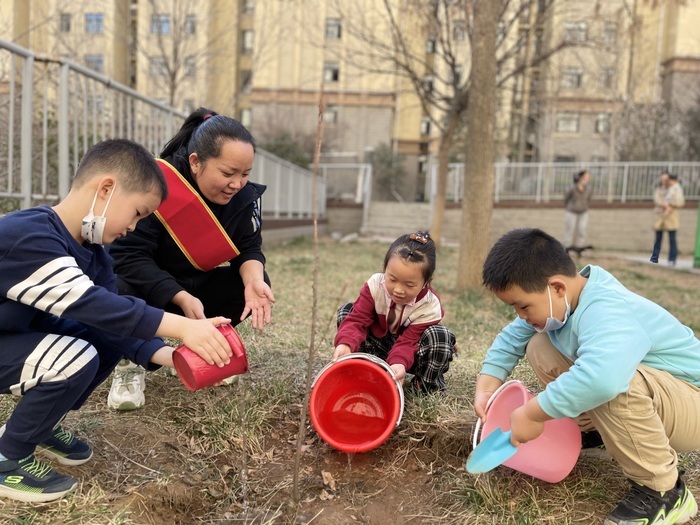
<point>158,475</point>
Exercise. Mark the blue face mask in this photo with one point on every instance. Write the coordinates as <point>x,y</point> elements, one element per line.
<point>552,322</point>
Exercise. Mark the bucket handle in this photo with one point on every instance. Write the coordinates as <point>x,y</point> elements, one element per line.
<point>376,360</point>
<point>477,427</point>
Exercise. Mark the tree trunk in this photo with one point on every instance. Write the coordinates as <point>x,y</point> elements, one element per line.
<point>438,205</point>
<point>480,149</point>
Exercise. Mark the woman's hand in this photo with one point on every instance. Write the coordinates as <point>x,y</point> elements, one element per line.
<point>191,306</point>
<point>258,303</point>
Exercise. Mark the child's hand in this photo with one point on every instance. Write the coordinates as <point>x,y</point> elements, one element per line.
<point>163,356</point>
<point>202,337</point>
<point>399,371</point>
<point>485,386</point>
<point>340,351</point>
<point>523,427</point>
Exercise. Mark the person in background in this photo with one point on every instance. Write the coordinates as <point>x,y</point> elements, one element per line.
<point>200,252</point>
<point>576,202</point>
<point>668,197</point>
<point>397,317</point>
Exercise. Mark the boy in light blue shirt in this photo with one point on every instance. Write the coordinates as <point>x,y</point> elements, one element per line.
<point>617,362</point>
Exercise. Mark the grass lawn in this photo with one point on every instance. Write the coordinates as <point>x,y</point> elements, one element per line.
<point>226,454</point>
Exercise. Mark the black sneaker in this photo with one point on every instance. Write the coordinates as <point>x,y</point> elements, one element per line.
<point>65,448</point>
<point>643,506</point>
<point>591,439</point>
<point>32,481</point>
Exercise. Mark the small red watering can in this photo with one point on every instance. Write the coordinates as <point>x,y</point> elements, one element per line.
<point>196,373</point>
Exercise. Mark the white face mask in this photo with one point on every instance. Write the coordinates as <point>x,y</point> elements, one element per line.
<point>552,322</point>
<point>94,227</point>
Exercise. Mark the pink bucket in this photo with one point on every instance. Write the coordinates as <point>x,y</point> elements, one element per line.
<point>550,457</point>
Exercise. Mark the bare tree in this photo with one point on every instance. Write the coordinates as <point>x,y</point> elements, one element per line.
<point>429,44</point>
<point>480,148</point>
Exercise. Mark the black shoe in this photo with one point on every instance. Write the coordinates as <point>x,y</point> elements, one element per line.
<point>655,260</point>
<point>643,506</point>
<point>32,481</point>
<point>65,448</point>
<point>591,439</point>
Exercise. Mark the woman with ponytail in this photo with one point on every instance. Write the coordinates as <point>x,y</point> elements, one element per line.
<point>200,252</point>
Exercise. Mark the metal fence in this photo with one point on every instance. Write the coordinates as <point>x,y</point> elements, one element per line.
<point>53,110</point>
<point>544,182</point>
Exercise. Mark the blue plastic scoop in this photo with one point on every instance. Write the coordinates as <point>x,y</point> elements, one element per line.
<point>491,452</point>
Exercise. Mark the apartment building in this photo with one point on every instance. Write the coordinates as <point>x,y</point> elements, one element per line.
<point>267,63</point>
<point>613,55</point>
<point>91,33</point>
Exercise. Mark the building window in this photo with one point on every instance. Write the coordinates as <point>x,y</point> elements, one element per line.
<point>602,123</point>
<point>160,24</point>
<point>246,117</point>
<point>610,33</point>
<point>330,114</point>
<point>190,67</point>
<point>571,78</point>
<point>564,158</point>
<point>94,23</point>
<point>188,105</point>
<point>332,28</point>
<point>246,82</point>
<point>428,84</point>
<point>459,31</point>
<point>431,45</point>
<point>575,32</point>
<point>568,123</point>
<point>95,62</point>
<point>456,76</point>
<point>607,78</point>
<point>248,6</point>
<point>248,41</point>
<point>191,24</point>
<point>331,72</point>
<point>65,23</point>
<point>158,67</point>
<point>425,125</point>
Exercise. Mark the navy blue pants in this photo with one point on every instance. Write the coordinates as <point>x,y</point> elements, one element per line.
<point>52,371</point>
<point>673,246</point>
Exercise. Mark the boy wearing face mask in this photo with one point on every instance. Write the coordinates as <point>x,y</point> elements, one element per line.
<point>616,362</point>
<point>63,327</point>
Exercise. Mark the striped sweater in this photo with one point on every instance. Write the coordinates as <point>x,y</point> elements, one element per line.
<point>45,273</point>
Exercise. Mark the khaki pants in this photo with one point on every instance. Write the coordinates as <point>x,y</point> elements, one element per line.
<point>643,428</point>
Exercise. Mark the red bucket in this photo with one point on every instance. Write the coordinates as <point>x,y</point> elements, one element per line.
<point>196,373</point>
<point>356,403</point>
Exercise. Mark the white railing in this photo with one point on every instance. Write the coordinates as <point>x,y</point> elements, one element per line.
<point>53,110</point>
<point>544,182</point>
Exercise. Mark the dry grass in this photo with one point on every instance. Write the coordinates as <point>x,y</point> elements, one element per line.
<point>225,455</point>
